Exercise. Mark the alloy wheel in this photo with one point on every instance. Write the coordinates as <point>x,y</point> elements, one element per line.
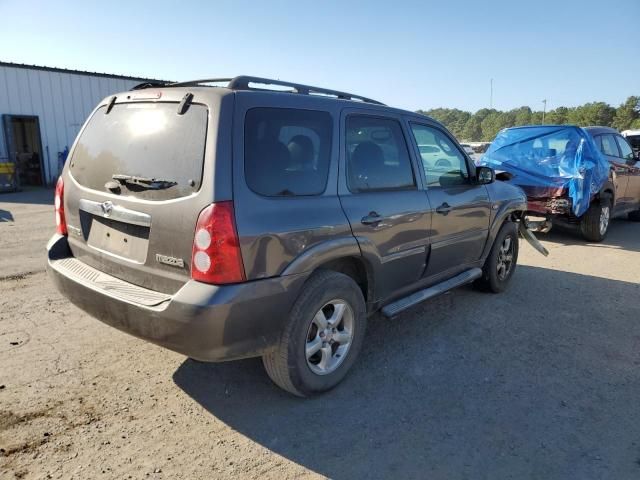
<point>605,214</point>
<point>505,257</point>
<point>329,337</point>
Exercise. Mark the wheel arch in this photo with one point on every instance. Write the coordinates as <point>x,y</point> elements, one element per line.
<point>608,189</point>
<point>358,269</point>
<point>511,211</point>
<point>341,255</point>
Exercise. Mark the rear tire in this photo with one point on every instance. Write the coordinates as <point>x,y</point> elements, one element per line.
<point>322,337</point>
<point>501,262</point>
<point>595,222</point>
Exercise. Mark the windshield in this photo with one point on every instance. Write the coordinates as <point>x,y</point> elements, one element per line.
<point>145,140</point>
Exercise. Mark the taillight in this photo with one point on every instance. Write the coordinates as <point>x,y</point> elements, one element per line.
<point>61,223</point>
<point>216,254</point>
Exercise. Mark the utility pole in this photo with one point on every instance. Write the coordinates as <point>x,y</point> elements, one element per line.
<point>544,109</point>
<point>491,94</point>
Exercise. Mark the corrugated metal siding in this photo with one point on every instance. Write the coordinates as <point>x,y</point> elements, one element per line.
<point>61,101</point>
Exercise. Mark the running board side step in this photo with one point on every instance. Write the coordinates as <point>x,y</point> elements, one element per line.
<point>463,278</point>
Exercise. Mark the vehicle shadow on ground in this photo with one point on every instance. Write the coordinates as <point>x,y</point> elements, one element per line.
<point>29,196</point>
<point>468,385</point>
<point>623,234</point>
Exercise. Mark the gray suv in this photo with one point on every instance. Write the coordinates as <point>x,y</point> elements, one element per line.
<point>234,221</point>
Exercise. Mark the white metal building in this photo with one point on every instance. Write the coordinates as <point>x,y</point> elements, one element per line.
<point>42,110</point>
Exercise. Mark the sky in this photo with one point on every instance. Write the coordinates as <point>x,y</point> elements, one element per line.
<point>409,54</point>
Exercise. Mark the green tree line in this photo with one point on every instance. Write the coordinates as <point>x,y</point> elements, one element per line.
<point>484,124</point>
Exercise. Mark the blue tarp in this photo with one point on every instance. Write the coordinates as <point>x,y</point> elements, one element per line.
<point>551,156</point>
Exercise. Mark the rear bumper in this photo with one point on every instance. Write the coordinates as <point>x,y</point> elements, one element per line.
<point>205,322</point>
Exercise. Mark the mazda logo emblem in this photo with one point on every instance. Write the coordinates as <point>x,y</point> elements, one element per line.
<point>107,207</point>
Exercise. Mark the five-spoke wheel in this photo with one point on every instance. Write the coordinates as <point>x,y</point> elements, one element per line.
<point>505,257</point>
<point>594,224</point>
<point>501,262</point>
<point>329,337</point>
<point>323,335</point>
<point>605,216</point>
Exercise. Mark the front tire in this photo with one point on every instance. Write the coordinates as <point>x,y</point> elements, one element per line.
<point>595,222</point>
<point>322,337</point>
<point>502,260</point>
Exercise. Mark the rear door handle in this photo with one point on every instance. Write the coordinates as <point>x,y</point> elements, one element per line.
<point>371,219</point>
<point>443,209</point>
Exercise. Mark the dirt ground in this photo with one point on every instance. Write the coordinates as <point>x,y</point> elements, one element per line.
<point>542,381</point>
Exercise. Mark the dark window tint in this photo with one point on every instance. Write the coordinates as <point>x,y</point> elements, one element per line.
<point>598,140</point>
<point>444,164</point>
<point>625,149</point>
<point>146,140</point>
<point>609,146</point>
<point>287,151</point>
<point>377,155</point>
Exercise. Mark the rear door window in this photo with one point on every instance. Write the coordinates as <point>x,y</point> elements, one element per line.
<point>287,151</point>
<point>145,140</point>
<point>377,155</point>
<point>609,146</point>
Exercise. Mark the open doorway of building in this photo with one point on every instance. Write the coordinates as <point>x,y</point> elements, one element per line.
<point>22,135</point>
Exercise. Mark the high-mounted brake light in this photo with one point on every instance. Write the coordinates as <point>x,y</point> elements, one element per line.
<point>61,222</point>
<point>216,254</point>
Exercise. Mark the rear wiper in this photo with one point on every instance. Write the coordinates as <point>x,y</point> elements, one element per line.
<point>143,182</point>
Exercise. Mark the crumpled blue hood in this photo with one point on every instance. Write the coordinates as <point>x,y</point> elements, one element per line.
<point>551,156</point>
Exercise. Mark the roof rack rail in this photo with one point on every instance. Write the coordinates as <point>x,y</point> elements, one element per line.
<point>244,82</point>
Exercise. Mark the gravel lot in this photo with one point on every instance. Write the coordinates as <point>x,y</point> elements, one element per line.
<point>540,382</point>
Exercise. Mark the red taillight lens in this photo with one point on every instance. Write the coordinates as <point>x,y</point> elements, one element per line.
<point>216,254</point>
<point>61,222</point>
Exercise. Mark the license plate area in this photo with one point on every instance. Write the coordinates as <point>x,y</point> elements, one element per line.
<point>117,238</point>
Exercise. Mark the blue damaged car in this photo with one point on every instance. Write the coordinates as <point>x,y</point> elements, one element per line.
<point>580,177</point>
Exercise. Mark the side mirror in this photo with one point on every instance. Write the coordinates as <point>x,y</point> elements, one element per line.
<point>485,175</point>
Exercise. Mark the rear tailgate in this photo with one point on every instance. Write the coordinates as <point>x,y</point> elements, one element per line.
<point>136,231</point>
